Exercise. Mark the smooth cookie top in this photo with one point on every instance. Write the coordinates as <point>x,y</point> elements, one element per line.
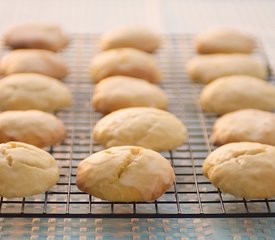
<point>140,126</point>
<point>118,92</point>
<point>26,91</point>
<point>141,38</point>
<point>36,35</point>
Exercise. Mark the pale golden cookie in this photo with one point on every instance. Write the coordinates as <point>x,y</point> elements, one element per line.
<point>140,126</point>
<point>33,61</point>
<point>124,61</point>
<point>248,125</point>
<point>36,35</point>
<point>125,174</point>
<point>242,169</point>
<point>206,68</point>
<point>228,94</point>
<point>141,38</point>
<point>118,92</point>
<point>26,91</point>
<point>224,40</point>
<point>25,170</point>
<point>34,127</point>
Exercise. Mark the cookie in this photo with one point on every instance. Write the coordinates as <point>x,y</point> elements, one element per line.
<point>25,170</point>
<point>140,126</point>
<point>228,94</point>
<point>224,40</point>
<point>206,68</point>
<point>141,38</point>
<point>34,127</point>
<point>247,125</point>
<point>124,61</point>
<point>125,174</point>
<point>26,91</point>
<point>242,169</point>
<point>33,61</point>
<point>36,35</point>
<point>118,92</point>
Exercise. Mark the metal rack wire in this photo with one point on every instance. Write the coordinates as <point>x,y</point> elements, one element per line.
<point>192,194</point>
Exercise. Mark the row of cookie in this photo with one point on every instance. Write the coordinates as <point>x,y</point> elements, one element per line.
<point>31,85</point>
<point>126,173</point>
<point>125,75</point>
<point>229,73</point>
<point>224,52</point>
<point>35,45</point>
<point>122,73</point>
<point>243,167</point>
<point>232,93</point>
<point>135,158</point>
<point>33,82</point>
<point>125,69</point>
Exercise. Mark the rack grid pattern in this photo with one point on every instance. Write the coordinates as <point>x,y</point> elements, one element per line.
<point>192,194</point>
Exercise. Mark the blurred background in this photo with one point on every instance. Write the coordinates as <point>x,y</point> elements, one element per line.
<point>165,16</point>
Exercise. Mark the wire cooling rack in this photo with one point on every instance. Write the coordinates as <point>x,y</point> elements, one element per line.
<point>192,194</point>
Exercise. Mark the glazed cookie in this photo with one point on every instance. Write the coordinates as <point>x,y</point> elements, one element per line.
<point>228,94</point>
<point>34,127</point>
<point>36,35</point>
<point>224,40</point>
<point>33,61</point>
<point>140,126</point>
<point>125,174</point>
<point>206,68</point>
<point>248,125</point>
<point>26,91</point>
<point>124,61</point>
<point>133,37</point>
<point>25,170</point>
<point>242,169</point>
<point>118,92</point>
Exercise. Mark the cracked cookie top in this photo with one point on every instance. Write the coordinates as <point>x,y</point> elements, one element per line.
<point>126,173</point>
<point>243,169</point>
<point>25,170</point>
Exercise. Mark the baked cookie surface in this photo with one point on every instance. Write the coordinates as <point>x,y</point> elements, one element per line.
<point>34,127</point>
<point>36,35</point>
<point>206,68</point>
<point>26,91</point>
<point>141,38</point>
<point>125,174</point>
<point>118,92</point>
<point>127,62</point>
<point>146,127</point>
<point>228,94</point>
<point>247,125</point>
<point>224,40</point>
<point>25,170</point>
<point>33,61</point>
<point>242,169</point>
